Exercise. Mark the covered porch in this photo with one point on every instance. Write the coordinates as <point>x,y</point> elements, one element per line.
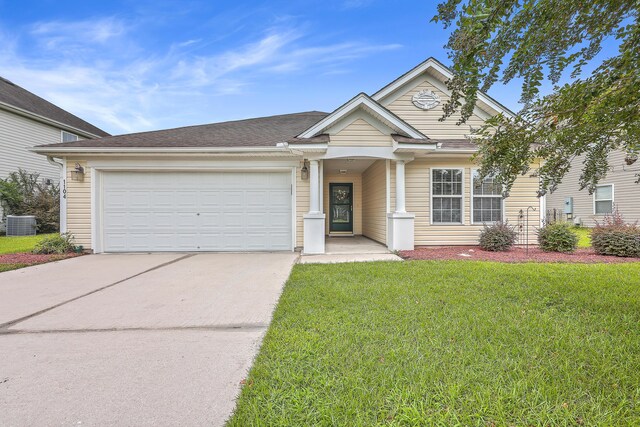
<point>352,207</point>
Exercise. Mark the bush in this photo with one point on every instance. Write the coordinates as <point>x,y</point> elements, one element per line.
<point>24,193</point>
<point>616,237</point>
<point>557,237</point>
<point>498,237</point>
<point>55,245</point>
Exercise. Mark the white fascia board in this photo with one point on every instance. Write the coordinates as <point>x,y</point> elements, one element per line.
<point>415,147</point>
<point>158,150</point>
<point>441,69</point>
<point>349,107</point>
<point>309,147</point>
<point>46,120</point>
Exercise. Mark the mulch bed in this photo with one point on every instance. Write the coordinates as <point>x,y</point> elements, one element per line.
<point>517,254</point>
<point>32,259</point>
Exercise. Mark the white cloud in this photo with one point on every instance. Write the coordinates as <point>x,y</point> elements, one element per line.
<point>69,35</point>
<point>96,70</point>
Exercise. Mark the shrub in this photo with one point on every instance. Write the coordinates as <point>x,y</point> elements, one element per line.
<point>616,237</point>
<point>59,244</point>
<point>557,237</point>
<point>24,193</point>
<point>498,237</point>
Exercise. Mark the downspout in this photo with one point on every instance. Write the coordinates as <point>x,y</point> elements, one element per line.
<point>63,191</point>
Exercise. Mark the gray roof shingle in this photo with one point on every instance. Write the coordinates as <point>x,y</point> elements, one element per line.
<point>258,132</point>
<point>14,95</point>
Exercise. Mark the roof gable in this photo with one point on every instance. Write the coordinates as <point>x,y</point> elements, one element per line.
<point>363,102</point>
<point>442,73</point>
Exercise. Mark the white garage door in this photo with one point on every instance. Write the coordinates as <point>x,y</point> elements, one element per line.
<point>196,211</point>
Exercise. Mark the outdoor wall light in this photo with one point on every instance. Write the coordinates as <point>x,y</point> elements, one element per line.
<point>304,172</point>
<point>77,174</point>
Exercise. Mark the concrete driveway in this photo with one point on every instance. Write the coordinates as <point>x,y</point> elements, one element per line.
<point>150,339</point>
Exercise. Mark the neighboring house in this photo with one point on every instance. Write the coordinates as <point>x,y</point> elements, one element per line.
<point>382,166</point>
<point>617,190</point>
<point>27,120</point>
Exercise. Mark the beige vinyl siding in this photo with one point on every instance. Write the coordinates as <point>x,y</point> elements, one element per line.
<point>418,188</point>
<point>426,121</point>
<point>356,179</point>
<point>359,132</point>
<point>626,191</point>
<point>374,201</point>
<point>79,205</point>
<point>302,206</point>
<point>17,135</point>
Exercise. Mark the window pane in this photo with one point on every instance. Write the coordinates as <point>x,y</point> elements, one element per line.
<point>604,192</point>
<point>604,207</point>
<point>447,209</point>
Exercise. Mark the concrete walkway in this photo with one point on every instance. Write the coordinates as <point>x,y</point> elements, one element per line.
<point>350,249</point>
<point>162,339</point>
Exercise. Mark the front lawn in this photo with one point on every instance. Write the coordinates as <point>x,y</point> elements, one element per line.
<point>584,236</point>
<point>450,343</point>
<point>14,245</point>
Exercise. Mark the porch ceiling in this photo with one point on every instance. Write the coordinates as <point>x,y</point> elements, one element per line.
<point>334,166</point>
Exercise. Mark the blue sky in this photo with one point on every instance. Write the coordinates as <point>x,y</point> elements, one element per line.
<point>129,66</point>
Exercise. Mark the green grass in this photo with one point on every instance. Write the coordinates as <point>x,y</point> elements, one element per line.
<point>450,344</point>
<point>7,267</point>
<point>584,236</point>
<point>13,245</point>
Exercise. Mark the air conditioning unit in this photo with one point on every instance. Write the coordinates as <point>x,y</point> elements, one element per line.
<point>21,225</point>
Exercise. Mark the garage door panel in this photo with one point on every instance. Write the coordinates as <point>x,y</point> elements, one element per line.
<point>220,211</point>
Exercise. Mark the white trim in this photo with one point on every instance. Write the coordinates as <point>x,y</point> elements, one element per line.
<point>294,210</point>
<point>152,150</point>
<point>96,202</point>
<point>321,178</point>
<point>362,151</point>
<point>432,63</point>
<point>471,194</point>
<point>462,210</point>
<point>192,165</point>
<point>63,197</point>
<point>543,209</point>
<point>46,120</point>
<point>358,101</point>
<point>613,197</point>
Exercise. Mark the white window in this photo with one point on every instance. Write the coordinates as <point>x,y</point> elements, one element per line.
<point>446,196</point>
<point>69,137</point>
<point>486,200</point>
<point>603,199</point>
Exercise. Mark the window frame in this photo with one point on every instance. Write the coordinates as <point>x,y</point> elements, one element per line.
<point>62,132</point>
<point>472,195</point>
<point>431,196</point>
<point>613,197</point>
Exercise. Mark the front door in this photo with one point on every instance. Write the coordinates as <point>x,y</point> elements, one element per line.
<point>341,207</point>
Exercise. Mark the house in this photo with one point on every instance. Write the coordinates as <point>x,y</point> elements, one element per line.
<point>27,120</point>
<point>617,190</point>
<point>382,166</point>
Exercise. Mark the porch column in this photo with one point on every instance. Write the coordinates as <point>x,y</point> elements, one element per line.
<point>400,204</point>
<point>314,187</point>
<point>400,223</point>
<point>314,219</point>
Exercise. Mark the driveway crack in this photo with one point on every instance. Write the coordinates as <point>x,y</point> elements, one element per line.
<point>4,326</point>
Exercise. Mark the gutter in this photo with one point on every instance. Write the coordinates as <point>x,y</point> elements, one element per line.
<point>153,150</point>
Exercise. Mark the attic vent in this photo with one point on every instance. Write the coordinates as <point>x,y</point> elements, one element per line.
<point>21,225</point>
